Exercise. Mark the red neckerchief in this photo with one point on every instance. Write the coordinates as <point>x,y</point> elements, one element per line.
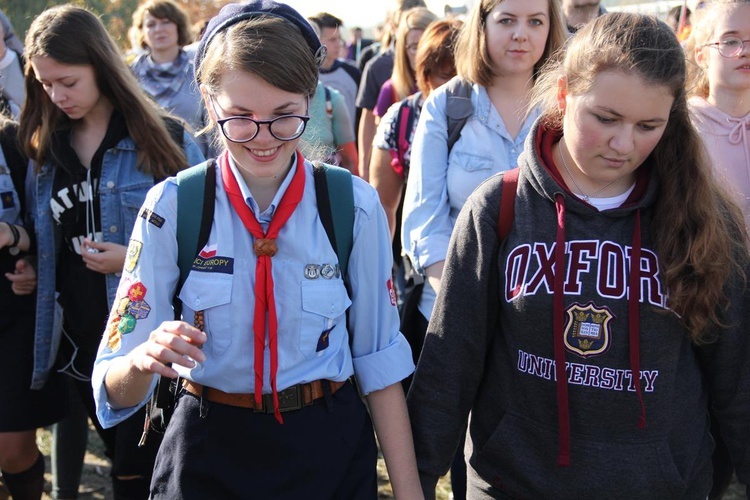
<point>264,248</point>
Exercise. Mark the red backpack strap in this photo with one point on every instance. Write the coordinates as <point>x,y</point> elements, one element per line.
<point>507,203</point>
<point>402,139</point>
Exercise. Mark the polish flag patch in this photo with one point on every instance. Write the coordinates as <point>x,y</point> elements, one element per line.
<point>208,251</point>
<point>391,292</point>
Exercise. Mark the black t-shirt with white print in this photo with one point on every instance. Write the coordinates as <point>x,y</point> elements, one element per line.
<point>76,210</point>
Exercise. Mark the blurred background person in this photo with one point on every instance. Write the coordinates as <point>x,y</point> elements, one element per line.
<point>164,69</point>
<point>403,82</point>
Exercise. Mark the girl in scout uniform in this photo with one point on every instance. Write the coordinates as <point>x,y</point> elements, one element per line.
<point>266,409</point>
<point>99,145</point>
<point>22,409</point>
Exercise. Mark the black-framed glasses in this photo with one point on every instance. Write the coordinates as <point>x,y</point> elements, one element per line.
<point>729,47</point>
<point>242,129</point>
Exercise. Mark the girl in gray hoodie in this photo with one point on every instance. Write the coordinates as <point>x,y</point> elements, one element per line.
<point>584,345</point>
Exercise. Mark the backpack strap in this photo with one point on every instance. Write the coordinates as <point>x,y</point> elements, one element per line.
<point>196,187</point>
<point>458,108</point>
<point>335,194</point>
<point>507,203</point>
<point>329,102</point>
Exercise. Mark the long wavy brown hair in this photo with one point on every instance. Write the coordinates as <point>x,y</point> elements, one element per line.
<point>698,229</point>
<point>72,35</point>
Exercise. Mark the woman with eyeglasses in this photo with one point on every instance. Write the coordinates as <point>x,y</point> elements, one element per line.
<point>403,81</point>
<point>720,86</point>
<point>272,329</point>
<point>98,144</point>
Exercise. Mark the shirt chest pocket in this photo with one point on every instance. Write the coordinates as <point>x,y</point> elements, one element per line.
<point>468,162</point>
<point>210,295</point>
<point>10,206</point>
<point>323,307</point>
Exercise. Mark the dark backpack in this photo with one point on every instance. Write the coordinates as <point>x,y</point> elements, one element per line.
<point>458,109</point>
<point>196,187</point>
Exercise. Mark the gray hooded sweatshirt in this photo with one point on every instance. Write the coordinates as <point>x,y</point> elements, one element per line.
<point>580,384</point>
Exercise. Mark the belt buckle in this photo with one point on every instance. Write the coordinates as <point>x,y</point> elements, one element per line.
<point>290,399</point>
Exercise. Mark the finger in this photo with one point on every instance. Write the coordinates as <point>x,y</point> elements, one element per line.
<point>95,244</point>
<point>167,348</point>
<point>185,330</point>
<point>21,265</point>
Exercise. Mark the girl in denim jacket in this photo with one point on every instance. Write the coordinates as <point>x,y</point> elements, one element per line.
<point>99,144</point>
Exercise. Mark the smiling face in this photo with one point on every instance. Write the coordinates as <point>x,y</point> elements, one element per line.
<point>160,34</point>
<point>264,158</point>
<point>727,75</point>
<point>72,88</point>
<point>610,130</point>
<point>516,33</point>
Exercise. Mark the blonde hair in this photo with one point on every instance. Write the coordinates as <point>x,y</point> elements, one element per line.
<point>700,243</point>
<point>473,62</point>
<point>403,76</point>
<point>74,36</point>
<point>702,30</point>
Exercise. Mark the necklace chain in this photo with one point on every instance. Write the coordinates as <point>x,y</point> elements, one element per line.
<point>586,197</point>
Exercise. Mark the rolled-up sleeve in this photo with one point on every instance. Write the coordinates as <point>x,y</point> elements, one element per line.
<point>380,353</point>
<point>144,296</point>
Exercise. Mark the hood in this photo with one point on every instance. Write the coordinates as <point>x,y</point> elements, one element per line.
<point>544,176</point>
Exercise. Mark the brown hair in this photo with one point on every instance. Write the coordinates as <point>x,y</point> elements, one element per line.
<point>74,36</point>
<point>163,9</point>
<point>698,230</point>
<point>702,30</point>
<point>473,61</point>
<point>435,51</point>
<point>403,77</point>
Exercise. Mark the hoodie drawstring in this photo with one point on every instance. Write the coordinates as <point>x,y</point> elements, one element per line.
<point>561,378</point>
<point>563,414</point>
<point>634,292</point>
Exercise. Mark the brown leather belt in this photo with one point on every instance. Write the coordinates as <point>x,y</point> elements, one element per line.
<point>291,398</point>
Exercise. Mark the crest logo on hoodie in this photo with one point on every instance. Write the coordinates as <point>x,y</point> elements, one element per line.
<point>587,329</point>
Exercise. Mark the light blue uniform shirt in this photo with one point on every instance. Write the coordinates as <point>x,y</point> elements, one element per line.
<point>223,287</point>
<point>439,184</point>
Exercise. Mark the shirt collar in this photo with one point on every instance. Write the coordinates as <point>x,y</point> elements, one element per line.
<point>247,195</point>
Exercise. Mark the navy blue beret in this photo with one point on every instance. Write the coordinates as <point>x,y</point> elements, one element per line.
<point>235,12</point>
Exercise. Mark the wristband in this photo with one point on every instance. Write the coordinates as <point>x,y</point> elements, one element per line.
<point>16,235</point>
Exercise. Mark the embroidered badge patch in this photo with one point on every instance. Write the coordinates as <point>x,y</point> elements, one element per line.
<point>137,291</point>
<point>127,324</point>
<point>208,251</point>
<point>132,255</point>
<point>324,339</point>
<point>152,217</point>
<point>223,265</point>
<point>139,309</point>
<point>391,292</point>
<point>7,199</point>
<point>114,341</point>
<point>587,329</point>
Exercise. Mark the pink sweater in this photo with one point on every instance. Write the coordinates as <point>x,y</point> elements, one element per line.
<point>727,140</point>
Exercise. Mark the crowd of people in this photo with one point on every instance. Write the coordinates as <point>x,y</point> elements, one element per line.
<point>511,245</point>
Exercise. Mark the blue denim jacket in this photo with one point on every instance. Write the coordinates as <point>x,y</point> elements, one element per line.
<point>122,190</point>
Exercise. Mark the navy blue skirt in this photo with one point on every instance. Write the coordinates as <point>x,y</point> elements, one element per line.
<point>326,450</point>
